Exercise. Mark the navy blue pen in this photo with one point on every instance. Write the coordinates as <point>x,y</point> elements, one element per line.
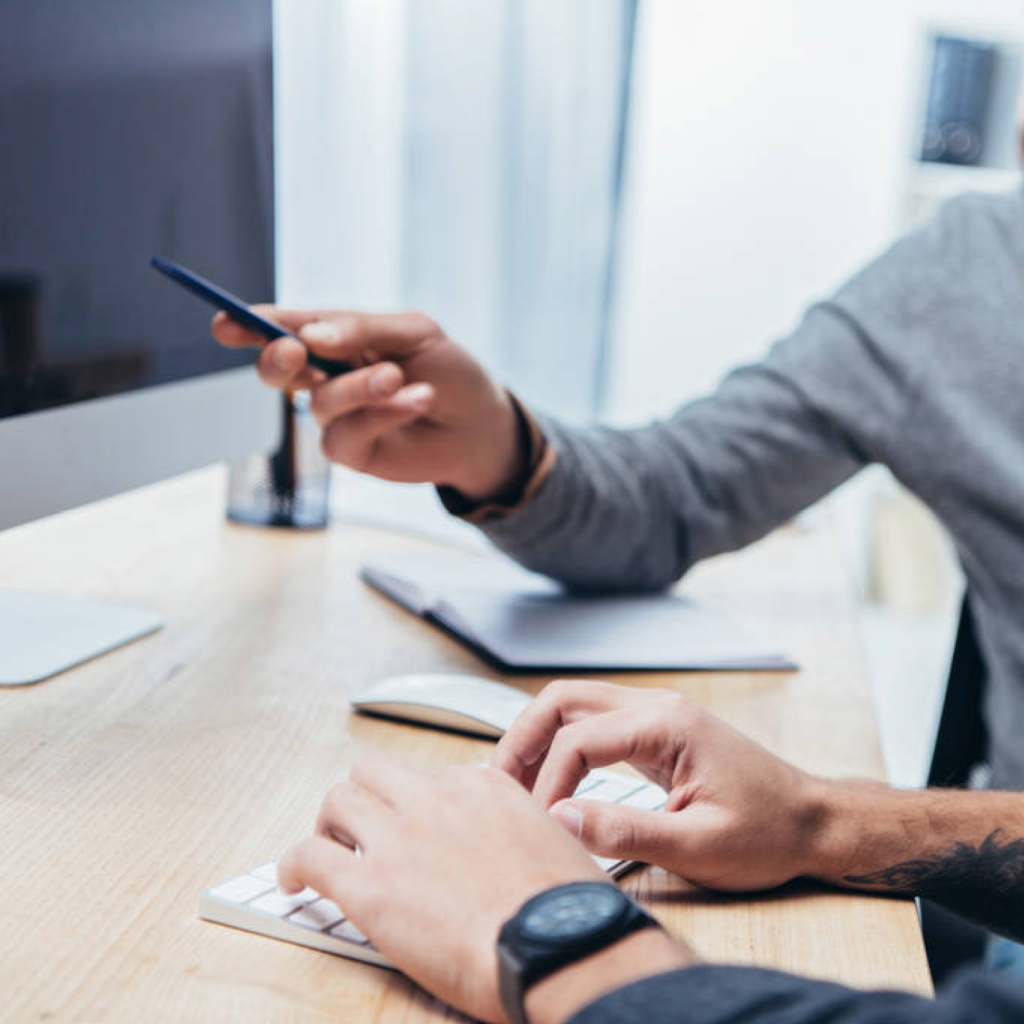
<point>240,312</point>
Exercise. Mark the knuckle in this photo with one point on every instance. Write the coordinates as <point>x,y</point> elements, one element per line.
<point>332,443</point>
<point>358,779</point>
<point>566,748</point>
<point>558,691</point>
<point>679,706</point>
<point>320,403</point>
<point>498,780</point>
<point>635,732</point>
<point>354,326</point>
<point>424,324</point>
<point>335,798</point>
<point>620,835</point>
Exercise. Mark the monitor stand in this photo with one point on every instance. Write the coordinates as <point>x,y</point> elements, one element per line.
<point>41,635</point>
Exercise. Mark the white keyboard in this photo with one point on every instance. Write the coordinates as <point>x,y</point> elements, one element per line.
<point>253,903</point>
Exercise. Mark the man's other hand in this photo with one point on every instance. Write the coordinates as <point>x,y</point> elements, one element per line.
<point>417,408</point>
<point>737,817</point>
<point>443,861</point>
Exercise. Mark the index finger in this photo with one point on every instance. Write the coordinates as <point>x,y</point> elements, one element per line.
<point>591,743</point>
<point>357,337</point>
<point>231,333</point>
<point>322,864</point>
<point>520,752</point>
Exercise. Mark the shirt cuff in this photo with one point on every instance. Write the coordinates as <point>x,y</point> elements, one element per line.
<point>540,460</point>
<point>722,994</point>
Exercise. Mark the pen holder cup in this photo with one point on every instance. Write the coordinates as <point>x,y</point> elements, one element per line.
<point>289,487</point>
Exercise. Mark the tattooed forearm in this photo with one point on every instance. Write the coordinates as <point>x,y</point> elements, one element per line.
<point>984,884</point>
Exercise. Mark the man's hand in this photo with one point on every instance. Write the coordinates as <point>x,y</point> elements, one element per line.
<point>417,407</point>
<point>443,861</point>
<point>737,817</point>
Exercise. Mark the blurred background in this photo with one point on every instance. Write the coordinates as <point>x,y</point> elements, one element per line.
<point>615,202</point>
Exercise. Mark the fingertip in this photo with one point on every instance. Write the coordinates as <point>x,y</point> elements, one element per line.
<point>229,332</point>
<point>320,332</point>
<point>286,877</point>
<point>569,816</point>
<point>289,355</point>
<point>281,361</point>
<point>385,380</point>
<point>417,397</point>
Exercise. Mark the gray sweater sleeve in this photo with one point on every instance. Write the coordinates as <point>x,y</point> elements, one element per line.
<point>633,509</point>
<point>729,995</point>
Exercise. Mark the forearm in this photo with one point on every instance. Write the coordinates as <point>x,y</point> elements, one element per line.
<point>634,509</point>
<point>963,850</point>
<point>602,518</point>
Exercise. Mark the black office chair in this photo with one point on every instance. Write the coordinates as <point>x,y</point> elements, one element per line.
<point>961,745</point>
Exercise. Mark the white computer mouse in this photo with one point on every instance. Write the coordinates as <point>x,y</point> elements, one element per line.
<point>466,703</point>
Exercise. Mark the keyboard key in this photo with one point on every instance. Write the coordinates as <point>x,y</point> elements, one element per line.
<point>253,901</point>
<point>318,915</point>
<point>613,792</point>
<point>347,930</point>
<point>267,871</point>
<point>281,906</point>
<point>650,798</point>
<point>242,889</point>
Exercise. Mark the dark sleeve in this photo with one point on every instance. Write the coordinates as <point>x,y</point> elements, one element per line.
<point>729,995</point>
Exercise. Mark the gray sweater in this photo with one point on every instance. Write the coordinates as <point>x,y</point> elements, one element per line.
<point>917,363</point>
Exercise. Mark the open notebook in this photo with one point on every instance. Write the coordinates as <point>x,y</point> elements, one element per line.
<point>519,620</point>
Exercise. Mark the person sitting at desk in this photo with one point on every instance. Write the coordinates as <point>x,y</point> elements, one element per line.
<point>430,868</point>
<point>917,363</point>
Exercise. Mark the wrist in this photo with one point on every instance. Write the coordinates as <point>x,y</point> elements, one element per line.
<point>864,825</point>
<point>642,954</point>
<point>502,462</point>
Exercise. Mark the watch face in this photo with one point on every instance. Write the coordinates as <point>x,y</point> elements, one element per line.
<point>570,914</point>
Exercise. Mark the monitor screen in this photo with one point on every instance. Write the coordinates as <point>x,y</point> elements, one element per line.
<point>127,130</point>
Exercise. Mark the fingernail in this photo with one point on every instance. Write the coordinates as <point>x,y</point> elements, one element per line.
<point>384,381</point>
<point>418,395</point>
<point>569,818</point>
<point>320,331</point>
<point>279,358</point>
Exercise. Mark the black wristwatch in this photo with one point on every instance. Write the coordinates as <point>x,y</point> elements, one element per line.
<point>556,928</point>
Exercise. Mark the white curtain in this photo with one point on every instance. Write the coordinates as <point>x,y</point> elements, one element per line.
<point>462,157</point>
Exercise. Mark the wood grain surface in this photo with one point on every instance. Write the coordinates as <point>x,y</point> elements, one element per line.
<point>129,784</point>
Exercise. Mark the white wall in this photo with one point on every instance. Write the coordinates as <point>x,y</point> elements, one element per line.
<point>769,144</point>
<point>769,156</point>
<point>457,157</point>
<point>338,176</point>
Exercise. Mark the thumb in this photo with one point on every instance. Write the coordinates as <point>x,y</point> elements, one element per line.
<point>613,830</point>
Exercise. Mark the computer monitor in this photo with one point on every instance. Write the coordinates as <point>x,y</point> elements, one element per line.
<point>127,129</point>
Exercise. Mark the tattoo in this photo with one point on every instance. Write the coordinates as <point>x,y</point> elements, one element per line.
<point>984,884</point>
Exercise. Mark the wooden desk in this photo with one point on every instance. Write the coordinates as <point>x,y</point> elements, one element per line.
<point>129,784</point>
